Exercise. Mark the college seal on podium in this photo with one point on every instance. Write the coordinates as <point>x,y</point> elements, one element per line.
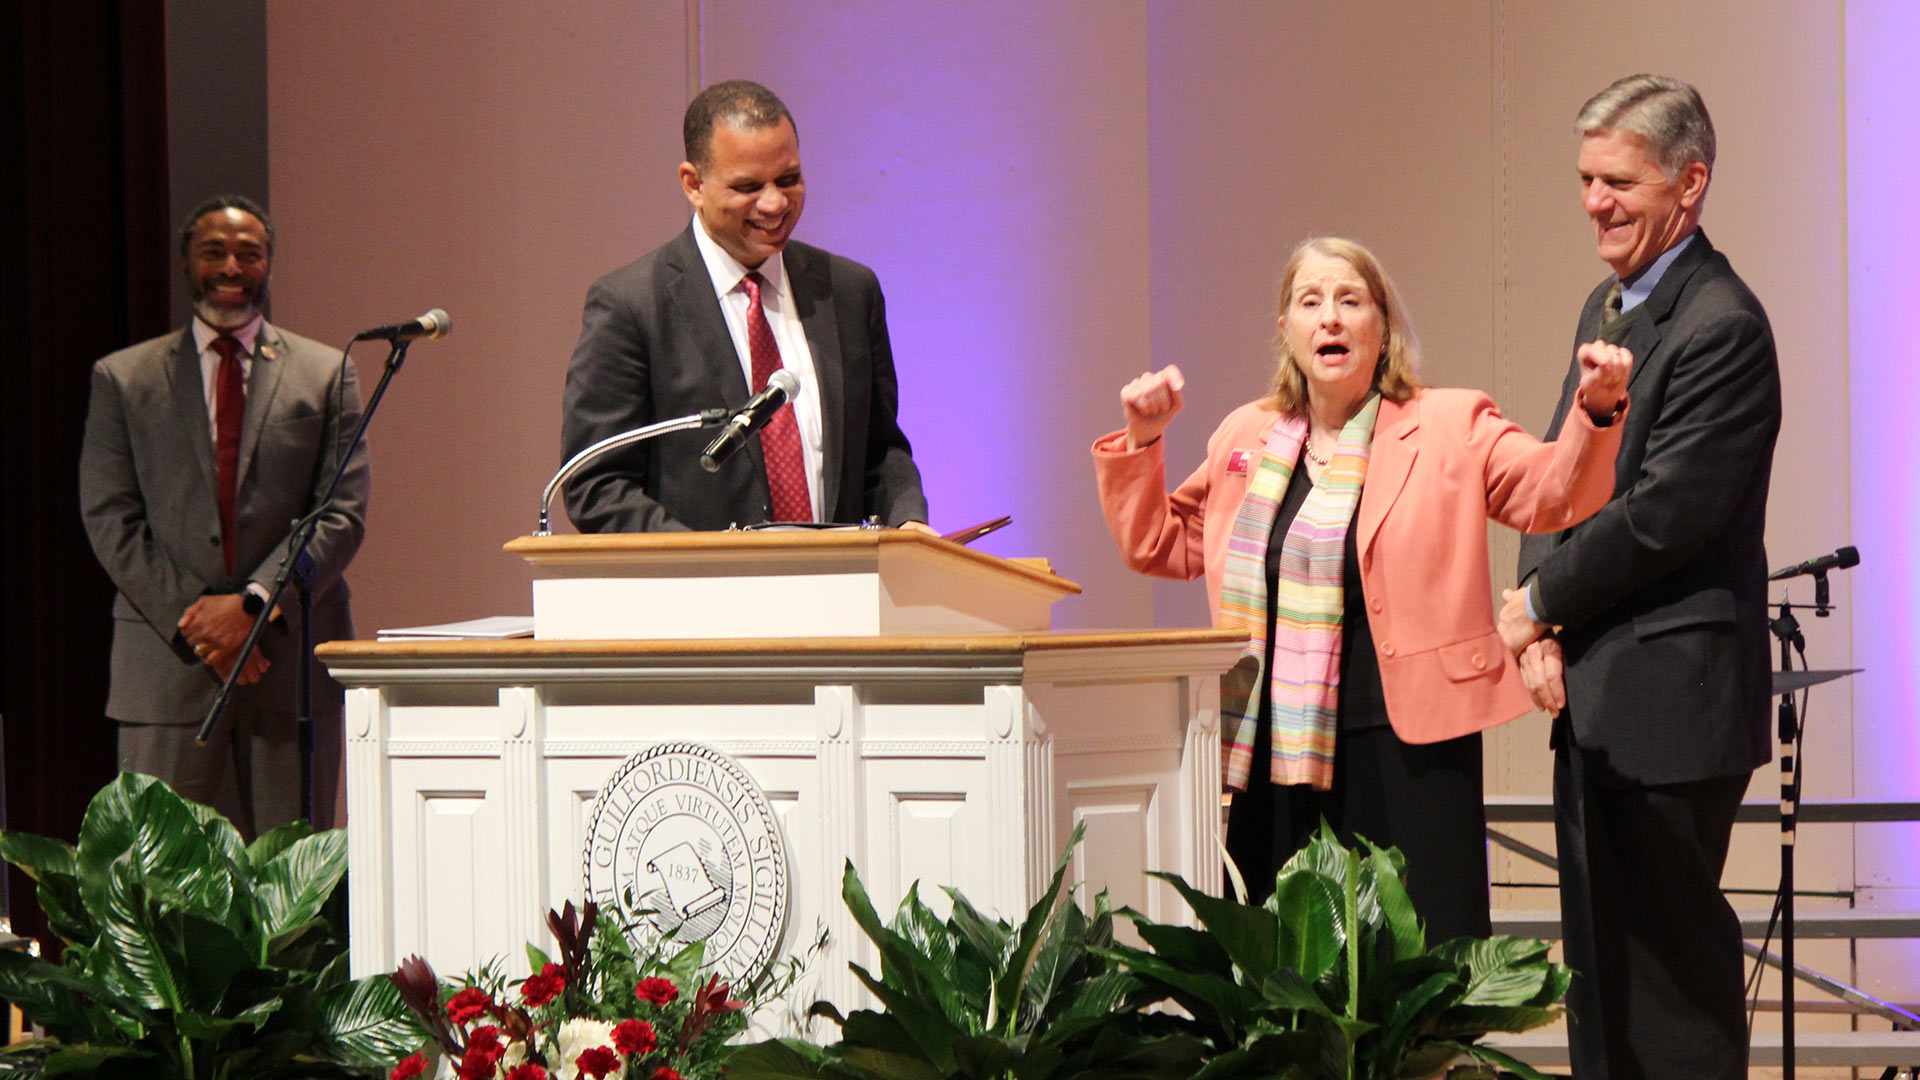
<point>681,840</point>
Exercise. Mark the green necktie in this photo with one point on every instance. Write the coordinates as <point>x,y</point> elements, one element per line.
<point>1613,325</point>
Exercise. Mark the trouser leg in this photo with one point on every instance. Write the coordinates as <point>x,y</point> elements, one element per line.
<point>1659,973</point>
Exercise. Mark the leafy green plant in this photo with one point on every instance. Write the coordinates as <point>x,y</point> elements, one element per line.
<point>1331,978</point>
<point>189,954</point>
<point>973,997</point>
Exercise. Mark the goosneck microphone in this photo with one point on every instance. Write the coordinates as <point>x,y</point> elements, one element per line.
<point>750,418</point>
<point>434,324</point>
<point>1839,560</point>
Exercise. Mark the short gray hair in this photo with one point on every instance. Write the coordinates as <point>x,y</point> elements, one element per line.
<point>1666,112</point>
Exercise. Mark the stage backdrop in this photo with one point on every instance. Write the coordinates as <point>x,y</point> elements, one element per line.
<point>1058,196</point>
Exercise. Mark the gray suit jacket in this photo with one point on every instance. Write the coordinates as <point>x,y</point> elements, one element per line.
<point>654,346</point>
<point>148,499</point>
<point>1663,592</point>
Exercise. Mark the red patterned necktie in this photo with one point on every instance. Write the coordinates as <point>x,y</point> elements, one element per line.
<point>780,439</point>
<point>229,412</point>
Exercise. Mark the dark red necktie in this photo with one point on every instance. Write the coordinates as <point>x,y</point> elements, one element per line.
<point>780,439</point>
<point>229,412</point>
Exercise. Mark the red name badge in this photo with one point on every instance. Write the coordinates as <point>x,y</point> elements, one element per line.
<point>1238,461</point>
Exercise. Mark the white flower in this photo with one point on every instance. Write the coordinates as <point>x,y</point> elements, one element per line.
<point>574,1038</point>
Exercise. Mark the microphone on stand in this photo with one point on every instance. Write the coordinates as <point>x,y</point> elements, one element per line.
<point>1842,559</point>
<point>750,418</point>
<point>434,324</point>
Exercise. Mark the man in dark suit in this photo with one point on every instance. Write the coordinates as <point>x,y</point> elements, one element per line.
<point>1643,629</point>
<point>201,447</point>
<point>702,321</point>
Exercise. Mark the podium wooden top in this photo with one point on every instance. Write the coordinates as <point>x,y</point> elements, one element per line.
<point>929,645</point>
<point>778,549</point>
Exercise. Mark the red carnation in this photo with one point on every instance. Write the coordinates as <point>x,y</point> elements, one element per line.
<point>656,991</point>
<point>544,987</point>
<point>469,1005</point>
<point>527,1071</point>
<point>411,1066</point>
<point>597,1062</point>
<point>484,1051</point>
<point>665,1072</point>
<point>632,1037</point>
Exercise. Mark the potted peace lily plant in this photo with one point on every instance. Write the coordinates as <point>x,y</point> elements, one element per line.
<point>189,954</point>
<point>1330,979</point>
<point>603,1008</point>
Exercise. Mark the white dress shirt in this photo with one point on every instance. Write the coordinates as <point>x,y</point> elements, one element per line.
<point>776,300</point>
<point>203,336</point>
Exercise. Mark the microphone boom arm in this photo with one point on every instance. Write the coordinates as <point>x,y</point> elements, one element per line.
<point>704,418</point>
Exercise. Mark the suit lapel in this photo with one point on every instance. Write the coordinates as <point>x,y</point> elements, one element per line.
<point>813,296</point>
<point>263,381</point>
<point>700,318</point>
<point>1645,336</point>
<point>1642,339</point>
<point>1390,464</point>
<point>189,390</point>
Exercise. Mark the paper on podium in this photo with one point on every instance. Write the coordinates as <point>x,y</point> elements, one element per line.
<point>490,628</point>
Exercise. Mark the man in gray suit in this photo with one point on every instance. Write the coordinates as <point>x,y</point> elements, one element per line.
<point>701,322</point>
<point>1644,628</point>
<point>202,447</point>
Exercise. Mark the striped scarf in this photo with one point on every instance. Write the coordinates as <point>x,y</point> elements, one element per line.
<point>1308,603</point>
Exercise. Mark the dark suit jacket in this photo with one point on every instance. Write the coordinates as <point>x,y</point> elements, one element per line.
<point>654,346</point>
<point>148,500</point>
<point>1662,594</point>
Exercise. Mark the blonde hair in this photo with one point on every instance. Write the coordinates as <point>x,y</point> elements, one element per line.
<point>1394,375</point>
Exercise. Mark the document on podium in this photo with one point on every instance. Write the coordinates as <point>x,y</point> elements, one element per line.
<point>490,628</point>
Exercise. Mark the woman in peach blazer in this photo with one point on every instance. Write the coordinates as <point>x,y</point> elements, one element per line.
<point>1384,687</point>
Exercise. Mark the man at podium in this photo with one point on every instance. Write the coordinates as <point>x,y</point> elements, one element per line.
<point>705,320</point>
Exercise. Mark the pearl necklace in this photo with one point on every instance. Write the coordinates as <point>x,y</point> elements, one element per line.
<point>1323,462</point>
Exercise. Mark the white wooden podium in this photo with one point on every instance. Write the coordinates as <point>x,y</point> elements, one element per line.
<point>900,701</point>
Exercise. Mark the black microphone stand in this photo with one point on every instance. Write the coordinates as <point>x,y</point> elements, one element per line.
<point>1786,629</point>
<point>297,567</point>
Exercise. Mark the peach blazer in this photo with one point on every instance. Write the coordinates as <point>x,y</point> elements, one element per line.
<point>1443,463</point>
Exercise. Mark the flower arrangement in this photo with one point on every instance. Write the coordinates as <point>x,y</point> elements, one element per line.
<point>601,1010</point>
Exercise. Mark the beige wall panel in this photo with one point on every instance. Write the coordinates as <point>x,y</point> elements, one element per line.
<point>492,159</point>
<point>988,160</point>
<point>1276,122</point>
<point>1771,74</point>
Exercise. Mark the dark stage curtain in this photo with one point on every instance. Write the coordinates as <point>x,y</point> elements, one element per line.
<point>88,262</point>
